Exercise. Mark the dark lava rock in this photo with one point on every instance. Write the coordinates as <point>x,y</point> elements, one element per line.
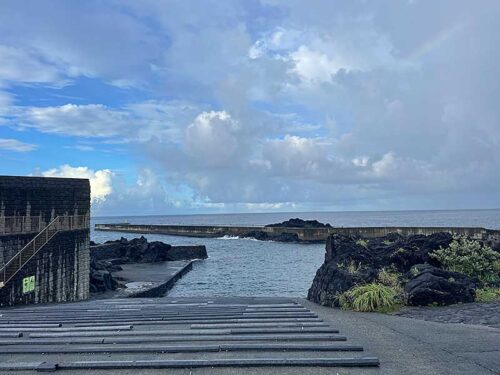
<point>137,250</point>
<point>392,250</point>
<point>433,285</point>
<point>187,252</point>
<point>330,281</point>
<point>299,223</point>
<point>106,258</point>
<point>264,236</point>
<point>366,258</point>
<point>101,280</point>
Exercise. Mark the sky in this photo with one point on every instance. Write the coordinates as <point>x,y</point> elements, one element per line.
<point>181,107</point>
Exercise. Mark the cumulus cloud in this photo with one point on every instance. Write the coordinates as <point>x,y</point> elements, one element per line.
<point>101,185</point>
<point>323,105</point>
<point>10,144</point>
<point>212,138</point>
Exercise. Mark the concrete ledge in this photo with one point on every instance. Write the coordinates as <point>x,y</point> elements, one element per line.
<point>151,285</point>
<point>306,235</point>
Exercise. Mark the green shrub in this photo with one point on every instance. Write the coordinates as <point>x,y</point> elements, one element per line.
<point>362,242</point>
<point>329,299</point>
<point>369,297</point>
<point>414,271</point>
<point>471,258</point>
<point>400,251</point>
<point>488,295</point>
<point>393,280</point>
<point>350,266</point>
<point>389,278</point>
<point>387,242</point>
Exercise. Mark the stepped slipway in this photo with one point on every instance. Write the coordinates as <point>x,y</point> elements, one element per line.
<point>127,335</point>
<point>301,234</point>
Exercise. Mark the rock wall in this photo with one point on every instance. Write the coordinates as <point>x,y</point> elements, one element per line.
<point>59,272</point>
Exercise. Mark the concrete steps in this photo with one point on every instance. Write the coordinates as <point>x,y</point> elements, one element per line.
<point>172,333</point>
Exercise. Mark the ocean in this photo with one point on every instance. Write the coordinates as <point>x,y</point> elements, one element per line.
<point>246,267</point>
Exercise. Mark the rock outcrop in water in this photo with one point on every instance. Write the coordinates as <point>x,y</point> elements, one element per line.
<point>264,236</point>
<point>286,236</point>
<point>351,261</point>
<point>299,223</point>
<point>105,258</point>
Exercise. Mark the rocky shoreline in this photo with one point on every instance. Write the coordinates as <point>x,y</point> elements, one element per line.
<point>404,270</point>
<point>108,258</point>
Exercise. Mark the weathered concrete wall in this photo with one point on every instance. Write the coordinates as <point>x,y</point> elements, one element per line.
<point>61,270</point>
<point>61,267</point>
<point>304,234</point>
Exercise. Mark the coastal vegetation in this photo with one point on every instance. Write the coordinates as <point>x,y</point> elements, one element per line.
<point>369,297</point>
<point>471,258</point>
<point>488,294</point>
<point>385,273</point>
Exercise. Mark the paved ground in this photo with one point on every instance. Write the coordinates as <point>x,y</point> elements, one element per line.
<point>487,314</point>
<point>144,277</point>
<point>409,346</point>
<point>403,345</point>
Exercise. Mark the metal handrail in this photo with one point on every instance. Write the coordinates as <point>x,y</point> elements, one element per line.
<point>60,223</point>
<point>21,224</point>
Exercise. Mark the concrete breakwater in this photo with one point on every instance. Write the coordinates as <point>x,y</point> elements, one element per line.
<point>291,234</point>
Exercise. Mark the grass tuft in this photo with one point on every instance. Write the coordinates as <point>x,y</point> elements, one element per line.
<point>369,297</point>
<point>362,242</point>
<point>488,295</point>
<point>350,266</point>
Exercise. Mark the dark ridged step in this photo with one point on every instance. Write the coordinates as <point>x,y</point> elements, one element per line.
<point>243,362</point>
<point>158,339</point>
<point>178,348</point>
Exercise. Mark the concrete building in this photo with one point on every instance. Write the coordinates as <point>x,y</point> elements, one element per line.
<point>44,239</point>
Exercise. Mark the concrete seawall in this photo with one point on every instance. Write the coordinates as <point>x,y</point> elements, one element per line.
<point>303,234</point>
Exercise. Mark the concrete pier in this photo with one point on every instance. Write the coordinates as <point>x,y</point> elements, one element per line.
<point>307,235</point>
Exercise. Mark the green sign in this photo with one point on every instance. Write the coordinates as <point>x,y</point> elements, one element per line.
<point>28,284</point>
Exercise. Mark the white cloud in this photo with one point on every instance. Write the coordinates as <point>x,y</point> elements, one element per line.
<point>92,120</point>
<point>18,65</point>
<point>137,122</point>
<point>295,156</point>
<point>313,66</point>
<point>101,185</point>
<point>10,144</point>
<point>100,40</point>
<point>212,138</point>
<point>336,102</point>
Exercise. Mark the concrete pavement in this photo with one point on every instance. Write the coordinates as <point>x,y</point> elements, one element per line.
<point>242,330</point>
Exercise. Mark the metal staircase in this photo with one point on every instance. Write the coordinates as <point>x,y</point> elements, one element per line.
<point>59,224</point>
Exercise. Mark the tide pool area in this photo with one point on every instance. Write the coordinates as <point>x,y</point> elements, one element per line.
<point>242,267</point>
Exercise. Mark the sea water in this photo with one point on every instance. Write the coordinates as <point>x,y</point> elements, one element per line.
<point>247,267</point>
